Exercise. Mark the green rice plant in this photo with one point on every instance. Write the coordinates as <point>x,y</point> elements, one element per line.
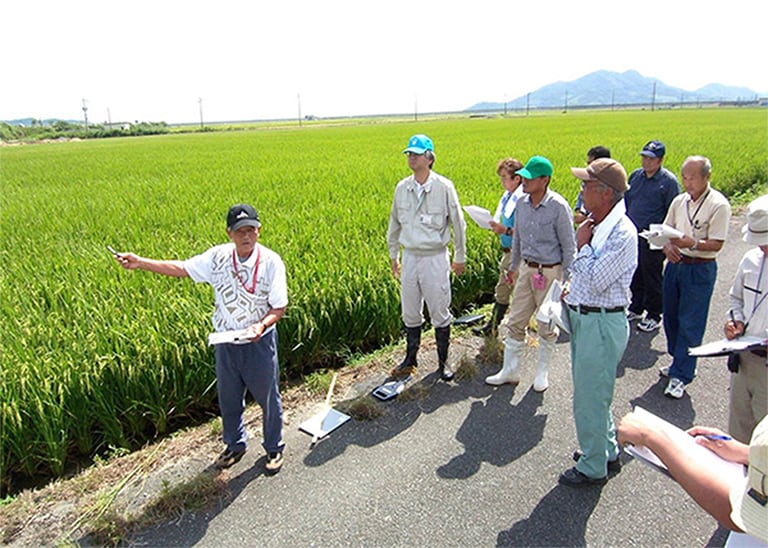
<point>95,357</point>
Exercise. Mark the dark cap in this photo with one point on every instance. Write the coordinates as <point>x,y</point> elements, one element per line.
<point>242,215</point>
<point>653,149</point>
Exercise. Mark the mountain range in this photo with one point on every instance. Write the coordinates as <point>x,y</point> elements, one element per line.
<point>604,88</point>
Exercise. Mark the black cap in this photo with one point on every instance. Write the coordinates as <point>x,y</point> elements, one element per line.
<point>242,215</point>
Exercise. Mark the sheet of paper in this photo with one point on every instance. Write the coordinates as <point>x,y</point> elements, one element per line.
<point>730,470</point>
<point>658,235</point>
<point>323,423</point>
<point>552,309</point>
<point>724,346</point>
<point>236,336</point>
<point>481,216</point>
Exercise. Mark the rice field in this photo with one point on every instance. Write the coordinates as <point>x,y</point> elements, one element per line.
<point>96,358</point>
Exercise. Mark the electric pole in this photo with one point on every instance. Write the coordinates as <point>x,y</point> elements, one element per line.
<point>298,99</point>
<point>200,102</point>
<point>85,115</point>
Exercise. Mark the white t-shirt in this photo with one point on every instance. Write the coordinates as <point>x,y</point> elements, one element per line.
<point>240,300</point>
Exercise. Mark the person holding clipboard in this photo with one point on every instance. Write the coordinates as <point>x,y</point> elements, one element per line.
<point>749,316</point>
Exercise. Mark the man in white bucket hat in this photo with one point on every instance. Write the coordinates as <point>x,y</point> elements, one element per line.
<point>748,315</point>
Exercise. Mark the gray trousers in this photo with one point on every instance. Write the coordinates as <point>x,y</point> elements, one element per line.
<point>253,367</point>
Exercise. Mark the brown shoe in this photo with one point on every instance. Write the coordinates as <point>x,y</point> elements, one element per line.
<point>403,370</point>
<point>274,462</point>
<point>228,458</point>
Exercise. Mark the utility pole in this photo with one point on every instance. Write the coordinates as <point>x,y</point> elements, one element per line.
<point>565,103</point>
<point>416,107</point>
<point>527,104</point>
<point>613,99</point>
<point>653,99</point>
<point>298,99</point>
<point>85,115</point>
<point>200,103</point>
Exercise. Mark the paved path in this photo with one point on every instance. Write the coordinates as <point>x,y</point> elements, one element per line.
<point>474,465</point>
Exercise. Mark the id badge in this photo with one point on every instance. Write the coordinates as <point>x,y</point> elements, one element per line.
<point>539,281</point>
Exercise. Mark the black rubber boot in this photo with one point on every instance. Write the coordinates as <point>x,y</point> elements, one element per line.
<point>412,343</point>
<point>499,310</point>
<point>443,339</point>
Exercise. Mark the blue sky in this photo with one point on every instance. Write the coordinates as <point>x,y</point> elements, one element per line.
<point>154,60</point>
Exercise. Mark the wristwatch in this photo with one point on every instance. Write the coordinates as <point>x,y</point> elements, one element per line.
<point>508,231</point>
<point>695,245</point>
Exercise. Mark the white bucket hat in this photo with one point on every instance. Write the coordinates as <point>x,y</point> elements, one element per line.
<point>756,229</point>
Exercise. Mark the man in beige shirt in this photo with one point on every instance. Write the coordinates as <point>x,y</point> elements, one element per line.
<point>702,214</point>
<point>425,214</point>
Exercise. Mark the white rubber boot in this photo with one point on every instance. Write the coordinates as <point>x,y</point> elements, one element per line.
<point>541,382</point>
<point>509,373</point>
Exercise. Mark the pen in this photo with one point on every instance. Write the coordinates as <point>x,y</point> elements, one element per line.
<point>717,437</point>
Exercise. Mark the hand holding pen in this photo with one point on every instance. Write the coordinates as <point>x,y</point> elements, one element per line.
<point>733,328</point>
<point>720,443</point>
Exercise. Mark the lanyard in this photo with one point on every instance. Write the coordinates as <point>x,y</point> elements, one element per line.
<point>756,290</point>
<point>688,210</point>
<point>252,289</point>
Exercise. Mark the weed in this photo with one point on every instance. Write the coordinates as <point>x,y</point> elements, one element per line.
<point>362,408</point>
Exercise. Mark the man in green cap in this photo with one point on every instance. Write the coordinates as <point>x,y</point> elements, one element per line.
<point>543,247</point>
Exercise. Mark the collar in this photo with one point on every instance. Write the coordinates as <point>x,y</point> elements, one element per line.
<point>604,229</point>
<point>701,198</point>
<point>413,184</point>
<point>250,261</point>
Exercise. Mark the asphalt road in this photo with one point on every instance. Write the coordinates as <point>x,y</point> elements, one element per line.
<point>474,465</point>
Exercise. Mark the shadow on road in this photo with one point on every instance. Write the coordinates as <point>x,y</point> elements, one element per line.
<point>402,413</point>
<point>679,412</point>
<point>639,355</point>
<point>544,527</point>
<point>479,446</point>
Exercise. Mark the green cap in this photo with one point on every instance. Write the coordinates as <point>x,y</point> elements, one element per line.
<point>537,166</point>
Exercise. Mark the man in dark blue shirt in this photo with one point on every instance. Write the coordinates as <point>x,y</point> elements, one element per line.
<point>651,189</point>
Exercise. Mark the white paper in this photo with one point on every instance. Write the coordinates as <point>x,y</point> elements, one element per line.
<point>481,216</point>
<point>725,346</point>
<point>686,443</point>
<point>659,235</point>
<point>552,308</point>
<point>235,336</point>
<point>324,423</point>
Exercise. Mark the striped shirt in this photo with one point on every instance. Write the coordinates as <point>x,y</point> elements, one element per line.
<point>604,281</point>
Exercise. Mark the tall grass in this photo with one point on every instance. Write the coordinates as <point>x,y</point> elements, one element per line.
<point>93,356</point>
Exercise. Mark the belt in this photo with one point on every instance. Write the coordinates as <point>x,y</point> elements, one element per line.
<point>537,265</point>
<point>694,260</point>
<point>506,249</point>
<point>584,309</point>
